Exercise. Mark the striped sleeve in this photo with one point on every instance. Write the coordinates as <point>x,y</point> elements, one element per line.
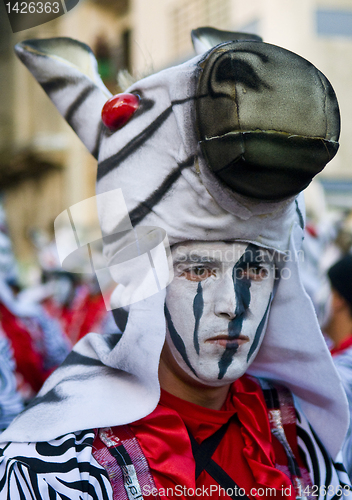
<point>62,469</point>
<point>330,480</point>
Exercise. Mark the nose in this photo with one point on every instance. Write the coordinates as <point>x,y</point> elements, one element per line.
<point>225,299</point>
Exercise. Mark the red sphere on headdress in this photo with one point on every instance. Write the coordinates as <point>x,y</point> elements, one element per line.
<point>119,109</point>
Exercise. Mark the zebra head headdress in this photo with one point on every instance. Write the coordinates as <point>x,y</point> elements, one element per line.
<point>219,149</point>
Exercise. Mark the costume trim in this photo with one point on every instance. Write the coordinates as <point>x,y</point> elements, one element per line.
<point>281,411</point>
<point>125,463</point>
<point>122,457</point>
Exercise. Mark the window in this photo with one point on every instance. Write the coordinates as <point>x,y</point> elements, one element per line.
<point>330,22</point>
<point>190,14</point>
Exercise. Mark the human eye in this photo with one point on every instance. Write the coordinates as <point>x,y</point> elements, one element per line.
<point>198,273</point>
<point>253,272</point>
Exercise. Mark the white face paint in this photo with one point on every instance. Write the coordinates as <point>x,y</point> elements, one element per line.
<point>216,308</point>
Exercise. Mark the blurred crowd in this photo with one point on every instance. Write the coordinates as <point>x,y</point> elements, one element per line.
<point>327,276</point>
<point>328,238</point>
<point>40,323</point>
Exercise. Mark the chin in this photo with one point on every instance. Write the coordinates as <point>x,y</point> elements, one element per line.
<point>214,381</point>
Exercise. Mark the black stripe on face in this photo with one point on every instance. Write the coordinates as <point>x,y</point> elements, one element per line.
<point>144,208</point>
<point>242,289</point>
<point>226,360</point>
<point>77,102</point>
<point>177,340</point>
<point>198,307</point>
<point>243,298</point>
<point>113,161</point>
<point>259,331</point>
<point>300,216</point>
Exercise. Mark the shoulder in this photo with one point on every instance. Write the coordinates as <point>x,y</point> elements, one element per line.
<point>64,465</point>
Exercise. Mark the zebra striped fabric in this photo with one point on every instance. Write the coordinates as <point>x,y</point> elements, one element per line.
<point>65,469</point>
<point>62,469</point>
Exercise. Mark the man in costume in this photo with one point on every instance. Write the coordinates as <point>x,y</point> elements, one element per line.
<point>211,156</point>
<point>339,329</point>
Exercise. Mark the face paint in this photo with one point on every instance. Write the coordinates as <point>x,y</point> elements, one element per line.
<point>198,306</point>
<point>243,297</point>
<point>217,308</point>
<point>177,340</point>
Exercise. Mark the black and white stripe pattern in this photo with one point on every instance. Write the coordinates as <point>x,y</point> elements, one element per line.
<point>67,71</point>
<point>328,477</point>
<point>65,469</point>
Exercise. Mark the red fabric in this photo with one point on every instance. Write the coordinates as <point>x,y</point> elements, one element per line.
<point>29,360</point>
<point>346,344</point>
<point>84,314</point>
<point>95,313</point>
<point>311,230</point>
<point>246,452</point>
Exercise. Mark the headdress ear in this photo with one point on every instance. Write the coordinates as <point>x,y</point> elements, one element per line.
<point>206,38</point>
<point>67,71</point>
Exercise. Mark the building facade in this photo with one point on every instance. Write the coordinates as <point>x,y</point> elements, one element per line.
<point>53,169</point>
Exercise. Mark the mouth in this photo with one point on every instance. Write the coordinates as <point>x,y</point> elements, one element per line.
<point>228,342</point>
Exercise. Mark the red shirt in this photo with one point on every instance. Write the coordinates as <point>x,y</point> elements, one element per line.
<point>247,452</point>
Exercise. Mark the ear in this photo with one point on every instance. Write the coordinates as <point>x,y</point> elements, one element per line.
<point>338,303</point>
<point>67,71</point>
<point>205,39</point>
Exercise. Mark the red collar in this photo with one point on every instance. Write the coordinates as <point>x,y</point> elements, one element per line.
<point>201,422</point>
<point>342,347</point>
<point>165,430</point>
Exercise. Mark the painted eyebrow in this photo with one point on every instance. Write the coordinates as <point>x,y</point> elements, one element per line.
<point>195,259</point>
<point>253,262</point>
<point>192,258</point>
<point>263,258</point>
